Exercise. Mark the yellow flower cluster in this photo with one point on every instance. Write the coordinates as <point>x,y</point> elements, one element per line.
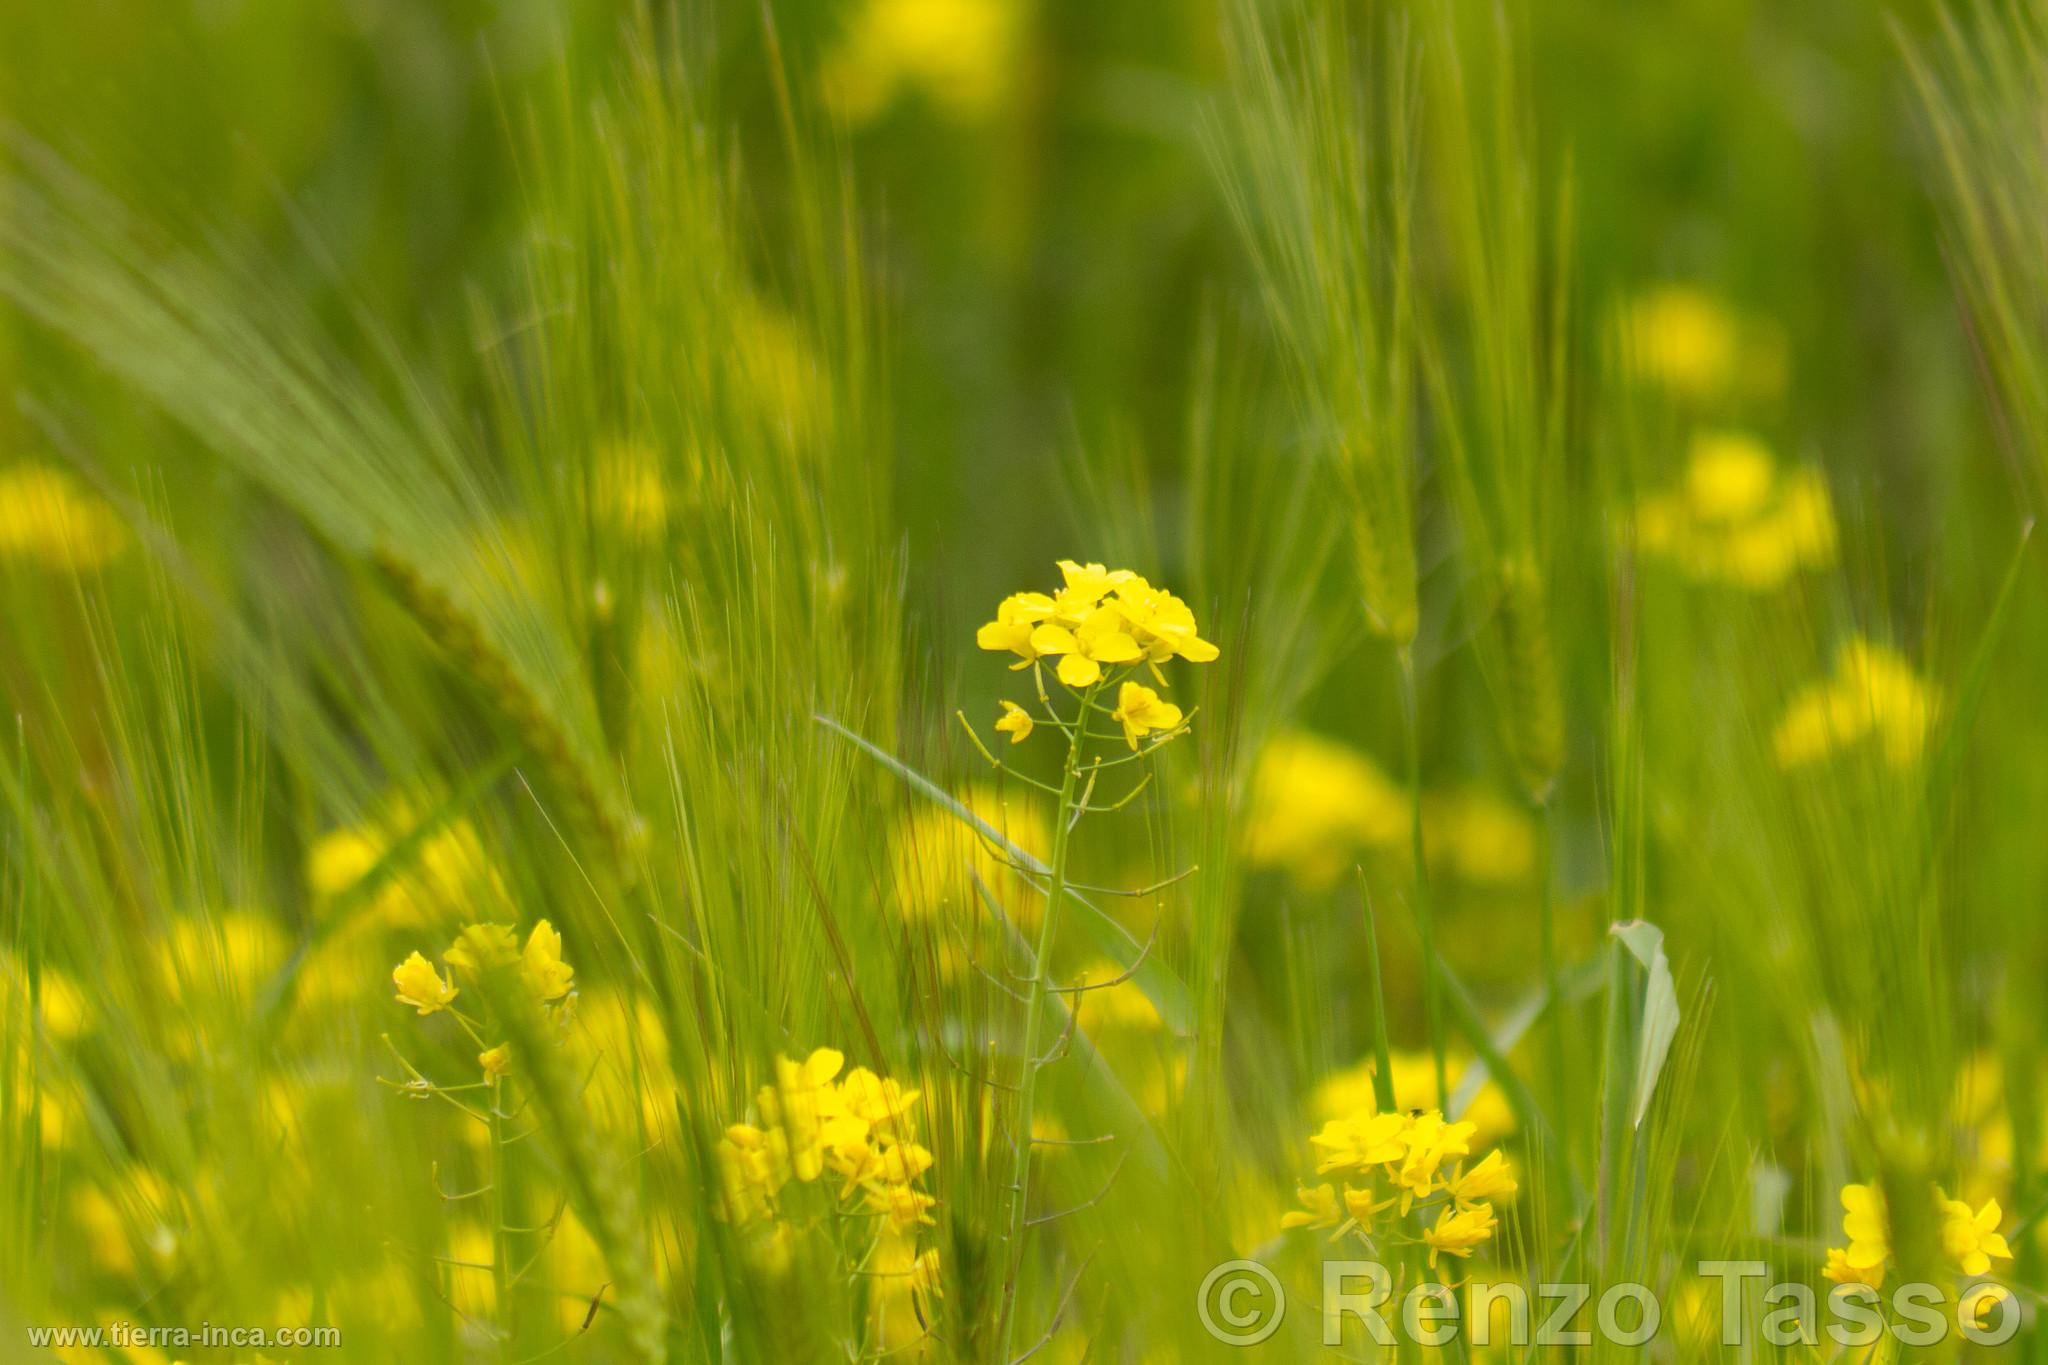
<point>1874,695</point>
<point>1101,617</point>
<point>1691,344</point>
<point>860,1129</point>
<point>1737,519</point>
<point>1969,1237</point>
<point>1402,1163</point>
<point>477,949</point>
<point>48,520</point>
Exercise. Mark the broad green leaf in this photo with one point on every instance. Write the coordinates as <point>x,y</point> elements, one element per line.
<point>1645,942</point>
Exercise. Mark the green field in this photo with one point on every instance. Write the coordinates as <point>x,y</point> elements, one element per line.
<point>981,680</point>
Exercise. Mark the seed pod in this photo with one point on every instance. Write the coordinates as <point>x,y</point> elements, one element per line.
<point>1382,533</point>
<point>1534,698</point>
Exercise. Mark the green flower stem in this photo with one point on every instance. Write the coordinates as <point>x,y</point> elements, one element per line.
<point>1425,919</point>
<point>1034,1008</point>
<point>1553,979</point>
<point>501,1236</point>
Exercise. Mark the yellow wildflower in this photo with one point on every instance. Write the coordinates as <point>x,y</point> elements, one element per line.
<point>1840,1271</point>
<point>1363,1207</point>
<point>480,947</point>
<point>904,1208</point>
<point>1319,1208</point>
<point>1017,616</point>
<point>1099,617</point>
<point>1459,1231</point>
<point>496,1061</point>
<point>545,970</point>
<point>1162,624</point>
<point>420,986</point>
<point>1016,722</point>
<point>1100,638</point>
<point>1865,1225</point>
<point>1428,1142</point>
<point>1141,711</point>
<point>1487,1180</point>
<point>1360,1141</point>
<point>799,1089</point>
<point>753,1166</point>
<point>875,1100</point>
<point>1972,1239</point>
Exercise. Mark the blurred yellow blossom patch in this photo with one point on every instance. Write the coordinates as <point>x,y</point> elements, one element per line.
<point>1735,518</point>
<point>1873,696</point>
<point>48,519</point>
<point>1692,344</point>
<point>961,55</point>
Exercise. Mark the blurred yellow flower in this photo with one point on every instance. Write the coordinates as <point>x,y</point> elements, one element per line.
<point>1315,805</point>
<point>420,986</point>
<point>1104,1008</point>
<point>1873,695</point>
<point>446,875</point>
<point>935,859</point>
<point>1351,1089</point>
<point>48,520</point>
<point>962,55</point>
<point>904,1207</point>
<point>1691,344</point>
<point>1479,836</point>
<point>132,1211</point>
<point>225,958</point>
<point>753,1166</point>
<point>629,491</point>
<point>877,1101</point>
<point>779,372</point>
<point>800,1097</point>
<point>496,1061</point>
<point>1736,519</point>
